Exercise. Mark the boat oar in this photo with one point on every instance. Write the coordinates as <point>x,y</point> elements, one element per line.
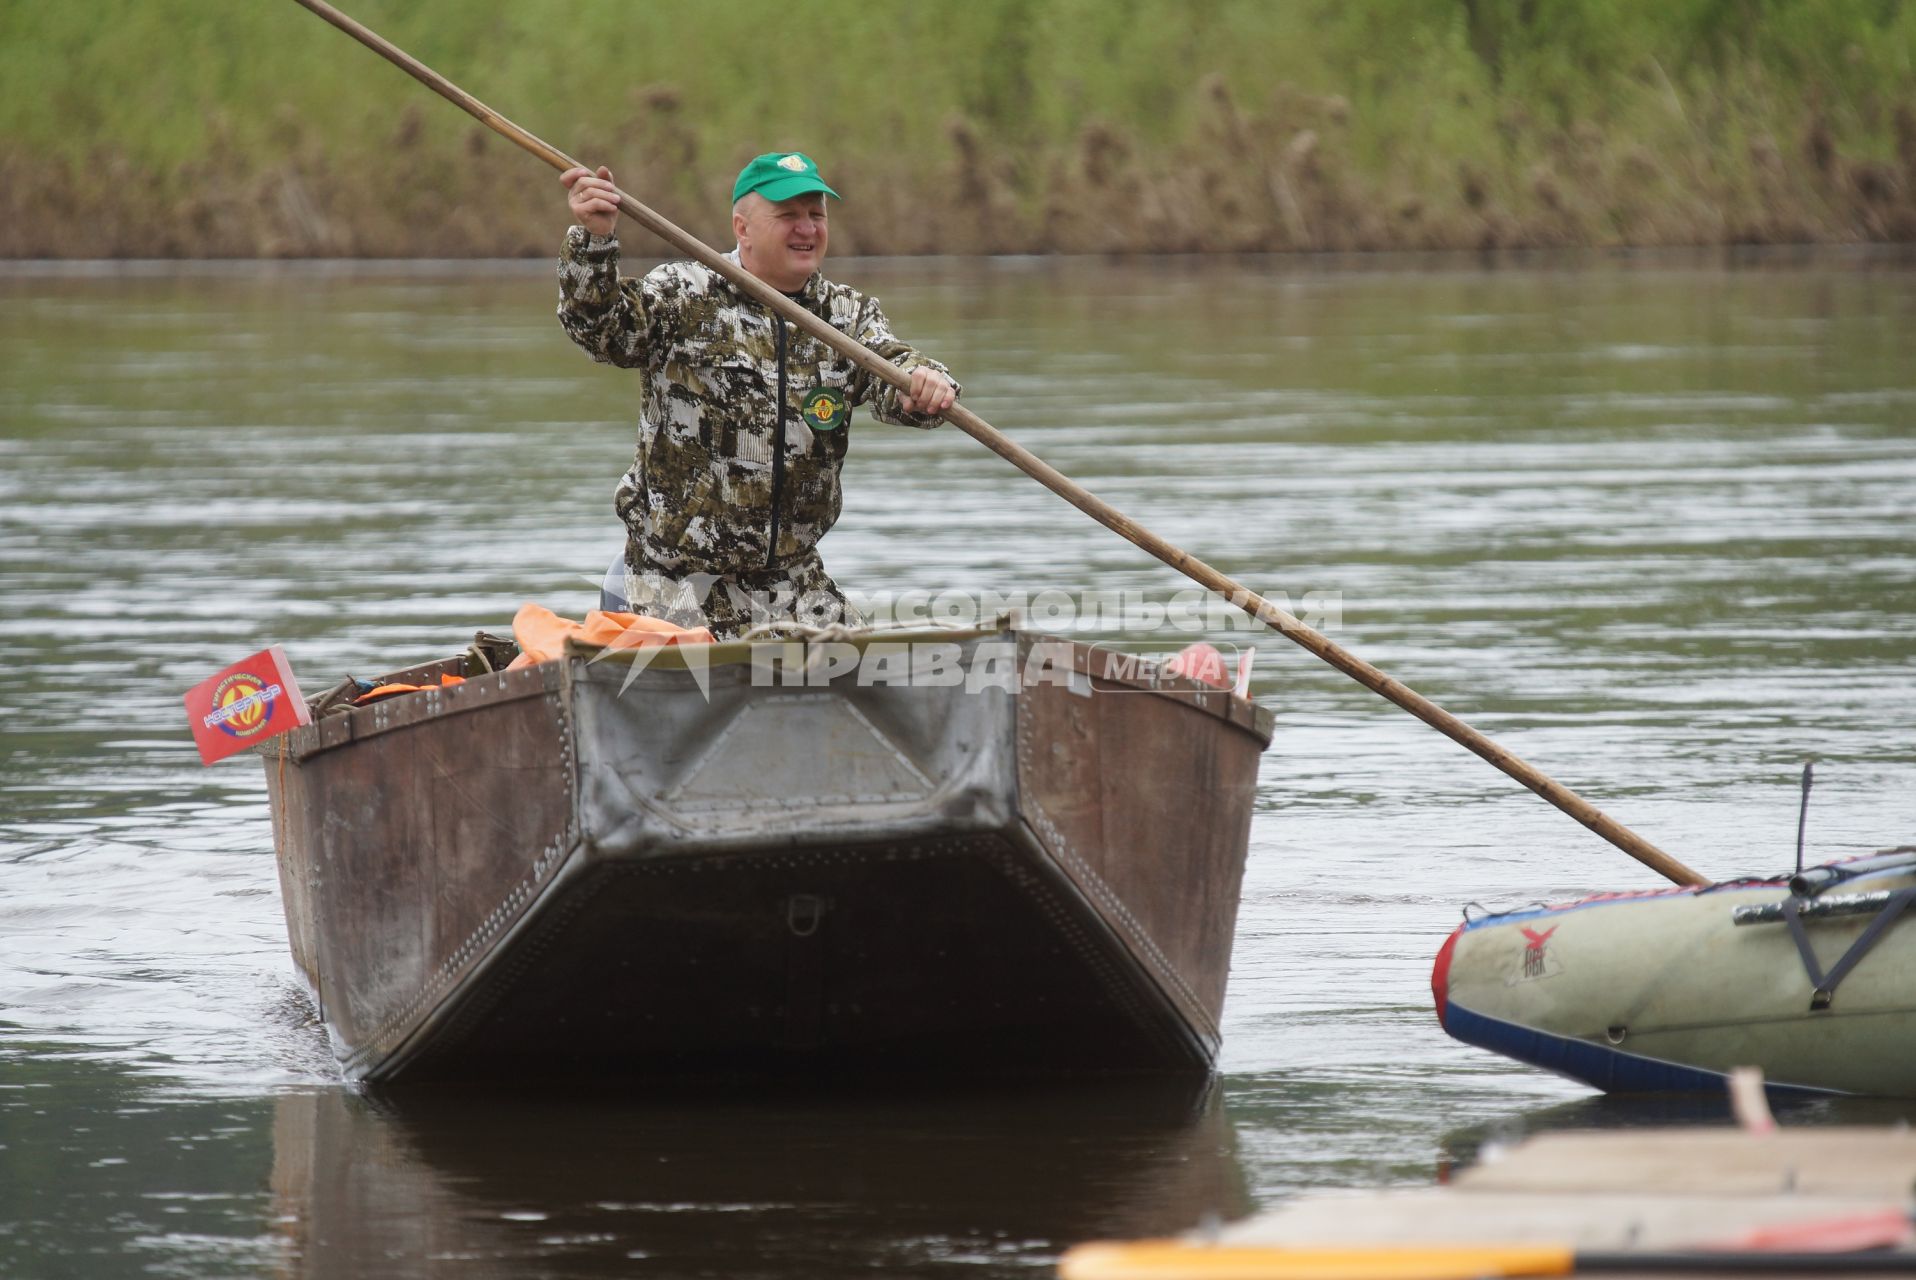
<point>1239,595</point>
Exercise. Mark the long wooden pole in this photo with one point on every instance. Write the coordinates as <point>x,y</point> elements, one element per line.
<point>1243,597</point>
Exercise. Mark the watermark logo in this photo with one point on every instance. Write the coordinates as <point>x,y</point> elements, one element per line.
<point>976,665</point>
<point>806,640</point>
<point>1134,611</point>
<point>1127,667</point>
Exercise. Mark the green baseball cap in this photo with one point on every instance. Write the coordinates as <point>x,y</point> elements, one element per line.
<point>780,175</point>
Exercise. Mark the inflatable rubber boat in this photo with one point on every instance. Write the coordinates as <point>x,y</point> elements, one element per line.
<point>1811,977</point>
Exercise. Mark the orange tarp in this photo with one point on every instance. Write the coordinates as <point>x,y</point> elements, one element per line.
<point>542,633</point>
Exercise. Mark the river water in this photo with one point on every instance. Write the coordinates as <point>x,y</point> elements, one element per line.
<point>1647,521</point>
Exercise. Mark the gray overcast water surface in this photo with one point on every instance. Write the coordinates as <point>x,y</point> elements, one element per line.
<point>1646,521</point>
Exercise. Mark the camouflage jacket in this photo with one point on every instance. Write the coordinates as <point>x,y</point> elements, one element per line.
<point>708,493</point>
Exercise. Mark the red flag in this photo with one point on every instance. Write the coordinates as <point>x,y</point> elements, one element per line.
<point>246,704</point>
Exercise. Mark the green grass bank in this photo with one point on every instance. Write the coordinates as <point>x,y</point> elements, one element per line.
<point>248,127</point>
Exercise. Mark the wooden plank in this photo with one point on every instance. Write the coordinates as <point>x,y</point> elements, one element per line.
<point>1817,1162</point>
<point>1438,1215</point>
<point>1629,1192</point>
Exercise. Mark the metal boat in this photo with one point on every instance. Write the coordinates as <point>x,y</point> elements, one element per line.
<point>954,851</point>
<point>1811,977</point>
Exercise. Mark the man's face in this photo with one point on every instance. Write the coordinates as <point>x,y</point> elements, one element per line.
<point>782,242</point>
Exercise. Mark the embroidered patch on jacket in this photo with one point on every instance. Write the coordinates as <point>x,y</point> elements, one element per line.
<point>824,408</point>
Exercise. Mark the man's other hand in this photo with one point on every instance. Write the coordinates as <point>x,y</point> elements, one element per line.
<point>594,200</point>
<point>931,392</point>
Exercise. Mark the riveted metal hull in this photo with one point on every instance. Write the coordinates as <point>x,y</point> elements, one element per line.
<point>597,866</point>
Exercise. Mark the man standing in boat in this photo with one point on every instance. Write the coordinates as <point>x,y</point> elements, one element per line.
<point>743,429</point>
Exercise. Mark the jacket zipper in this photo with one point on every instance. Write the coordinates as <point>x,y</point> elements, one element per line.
<point>778,445</point>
